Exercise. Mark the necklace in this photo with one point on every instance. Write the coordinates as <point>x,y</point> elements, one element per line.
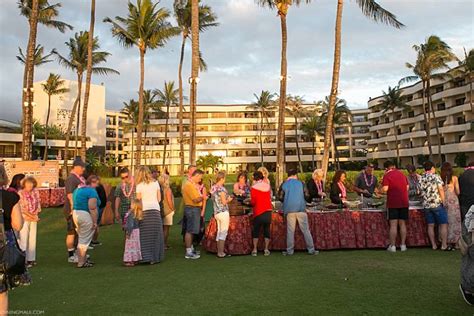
<point>81,178</point>
<point>32,202</point>
<point>371,180</point>
<point>124,189</point>
<point>342,188</point>
<point>319,186</point>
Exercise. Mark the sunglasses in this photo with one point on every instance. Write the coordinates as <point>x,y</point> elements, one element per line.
<point>125,177</point>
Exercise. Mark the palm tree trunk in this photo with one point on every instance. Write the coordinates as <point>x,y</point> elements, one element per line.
<point>166,135</point>
<point>261,141</point>
<point>396,138</point>
<point>28,110</point>
<point>312,154</point>
<point>280,163</point>
<point>145,145</point>
<point>334,87</point>
<point>298,145</point>
<point>470,93</point>
<point>334,149</point>
<point>45,158</point>
<point>133,149</point>
<point>427,120</point>
<point>194,75</point>
<point>68,134</point>
<point>88,82</point>
<point>23,94</point>
<point>138,152</point>
<point>430,108</point>
<point>180,113</point>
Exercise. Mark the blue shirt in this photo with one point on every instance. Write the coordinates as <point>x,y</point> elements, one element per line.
<point>294,200</point>
<point>81,196</point>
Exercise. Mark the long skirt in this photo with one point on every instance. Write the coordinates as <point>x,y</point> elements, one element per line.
<point>454,216</point>
<point>132,251</point>
<point>151,237</point>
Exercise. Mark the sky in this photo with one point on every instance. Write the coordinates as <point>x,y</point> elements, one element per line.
<point>243,52</point>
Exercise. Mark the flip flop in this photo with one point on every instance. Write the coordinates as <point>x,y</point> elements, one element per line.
<point>86,265</point>
<point>224,256</point>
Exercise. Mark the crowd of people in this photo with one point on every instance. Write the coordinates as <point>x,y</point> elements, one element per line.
<point>145,207</point>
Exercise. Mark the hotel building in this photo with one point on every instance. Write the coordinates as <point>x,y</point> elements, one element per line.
<point>454,119</point>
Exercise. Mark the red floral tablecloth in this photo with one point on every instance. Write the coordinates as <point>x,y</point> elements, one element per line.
<point>44,197</point>
<point>331,230</point>
<point>52,197</point>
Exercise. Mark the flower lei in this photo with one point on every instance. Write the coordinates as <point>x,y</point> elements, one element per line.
<point>371,180</point>
<point>124,189</point>
<point>342,188</point>
<point>319,185</point>
<point>469,168</point>
<point>32,202</point>
<point>81,178</point>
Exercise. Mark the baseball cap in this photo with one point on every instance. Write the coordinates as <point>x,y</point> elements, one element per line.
<point>78,162</point>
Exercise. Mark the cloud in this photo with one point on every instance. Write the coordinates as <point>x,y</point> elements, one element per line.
<point>243,52</point>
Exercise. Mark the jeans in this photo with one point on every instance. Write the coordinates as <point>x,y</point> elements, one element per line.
<point>302,219</point>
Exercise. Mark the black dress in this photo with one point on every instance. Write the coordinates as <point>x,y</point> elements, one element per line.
<point>313,192</point>
<point>334,194</point>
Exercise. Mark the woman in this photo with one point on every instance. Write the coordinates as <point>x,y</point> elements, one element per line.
<point>338,194</point>
<point>30,207</point>
<point>451,203</point>
<point>102,204</point>
<point>220,198</point>
<point>168,206</point>
<point>151,226</point>
<point>315,186</point>
<point>241,187</point>
<point>12,221</point>
<point>15,185</point>
<point>85,214</point>
<point>265,173</point>
<point>413,183</point>
<point>261,201</point>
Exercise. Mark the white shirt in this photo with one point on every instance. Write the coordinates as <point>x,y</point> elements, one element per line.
<point>149,192</point>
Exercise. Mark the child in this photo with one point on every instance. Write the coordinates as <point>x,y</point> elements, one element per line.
<point>132,253</point>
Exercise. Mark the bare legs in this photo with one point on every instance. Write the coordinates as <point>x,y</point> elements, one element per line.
<point>188,240</point>
<point>4,303</point>
<point>255,244</point>
<point>443,233</point>
<point>394,224</point>
<point>166,233</point>
<point>220,248</point>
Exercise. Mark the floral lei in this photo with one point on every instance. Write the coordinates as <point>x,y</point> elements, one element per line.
<point>371,180</point>
<point>319,185</point>
<point>124,189</point>
<point>342,188</point>
<point>32,202</point>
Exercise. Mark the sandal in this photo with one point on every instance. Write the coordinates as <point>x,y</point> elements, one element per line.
<point>86,264</point>
<point>128,264</point>
<point>224,256</point>
<point>266,253</point>
<point>254,253</point>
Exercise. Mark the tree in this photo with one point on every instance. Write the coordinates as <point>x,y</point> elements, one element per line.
<point>36,11</point>
<point>432,56</point>
<point>130,109</point>
<point>374,11</point>
<point>264,106</point>
<point>145,27</point>
<point>312,126</point>
<point>169,96</point>
<point>392,100</point>
<point>466,70</point>
<point>209,162</point>
<point>90,45</point>
<point>340,118</point>
<point>282,6</point>
<point>77,62</point>
<point>207,19</point>
<point>54,85</point>
<point>150,104</point>
<point>294,108</point>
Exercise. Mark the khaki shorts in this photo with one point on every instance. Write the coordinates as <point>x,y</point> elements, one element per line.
<point>168,219</point>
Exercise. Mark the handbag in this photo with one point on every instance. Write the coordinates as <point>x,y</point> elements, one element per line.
<point>12,259</point>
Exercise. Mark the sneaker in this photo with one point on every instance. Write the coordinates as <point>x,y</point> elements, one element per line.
<point>392,249</point>
<point>313,253</point>
<point>192,256</point>
<point>90,247</point>
<point>96,243</point>
<point>196,252</point>
<point>468,297</point>
<point>286,253</point>
<point>72,259</point>
<point>403,247</point>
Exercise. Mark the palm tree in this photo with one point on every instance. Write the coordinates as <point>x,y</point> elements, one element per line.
<point>54,85</point>
<point>167,97</point>
<point>77,62</point>
<point>195,63</point>
<point>209,162</point>
<point>264,106</point>
<point>90,45</point>
<point>145,27</point>
<point>391,100</point>
<point>207,19</point>
<point>282,6</point>
<point>130,109</point>
<point>313,125</point>
<point>467,70</point>
<point>36,11</point>
<point>150,104</point>
<point>432,56</point>
<point>374,11</point>
<point>294,107</point>
<point>340,118</point>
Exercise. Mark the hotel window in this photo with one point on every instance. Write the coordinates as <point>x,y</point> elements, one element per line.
<point>201,128</point>
<point>409,98</point>
<point>460,138</point>
<point>460,101</point>
<point>461,120</point>
<point>439,89</point>
<point>7,150</point>
<point>411,114</point>
<point>251,114</point>
<point>387,120</point>
<point>441,107</point>
<point>399,131</point>
<point>459,83</point>
<point>441,123</point>
<point>235,115</point>
<point>442,140</point>
<point>201,115</point>
<point>219,115</point>
<point>110,132</point>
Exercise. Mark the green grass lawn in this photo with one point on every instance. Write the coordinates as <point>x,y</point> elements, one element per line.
<point>362,282</point>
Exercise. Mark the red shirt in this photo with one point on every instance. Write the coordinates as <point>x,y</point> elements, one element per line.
<point>261,201</point>
<point>397,194</point>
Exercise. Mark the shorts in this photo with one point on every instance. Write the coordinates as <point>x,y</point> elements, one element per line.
<point>264,221</point>
<point>84,228</point>
<point>192,215</point>
<point>436,215</point>
<point>222,219</point>
<point>168,219</point>
<point>398,213</point>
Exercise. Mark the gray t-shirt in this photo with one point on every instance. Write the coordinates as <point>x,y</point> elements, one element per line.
<point>71,184</point>
<point>467,270</point>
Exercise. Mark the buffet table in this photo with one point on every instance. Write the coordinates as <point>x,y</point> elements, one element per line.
<point>52,197</point>
<point>330,230</point>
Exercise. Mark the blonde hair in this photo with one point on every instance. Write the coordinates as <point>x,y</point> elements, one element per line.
<point>164,181</point>
<point>318,172</point>
<point>30,180</point>
<point>137,209</point>
<point>264,171</point>
<point>144,175</point>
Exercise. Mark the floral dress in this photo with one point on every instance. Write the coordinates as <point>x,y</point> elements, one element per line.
<point>454,214</point>
<point>132,252</point>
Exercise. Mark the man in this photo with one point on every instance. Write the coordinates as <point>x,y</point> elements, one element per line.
<point>466,187</point>
<point>467,270</point>
<point>365,184</point>
<point>395,185</point>
<point>432,193</point>
<point>124,194</point>
<point>193,201</point>
<point>294,207</point>
<point>73,181</point>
